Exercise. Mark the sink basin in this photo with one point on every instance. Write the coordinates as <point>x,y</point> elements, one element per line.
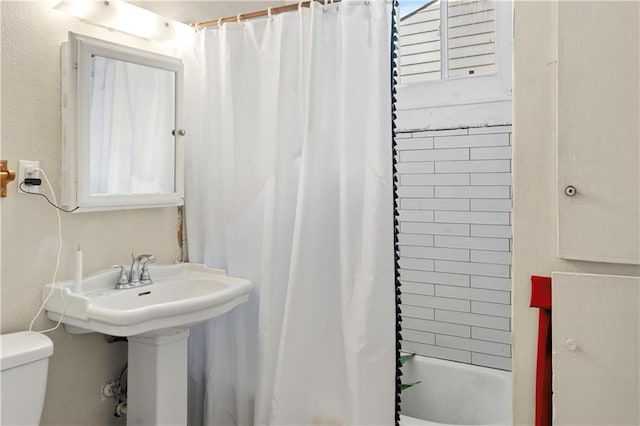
<point>181,295</point>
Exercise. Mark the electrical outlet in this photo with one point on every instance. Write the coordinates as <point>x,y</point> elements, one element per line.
<point>28,169</point>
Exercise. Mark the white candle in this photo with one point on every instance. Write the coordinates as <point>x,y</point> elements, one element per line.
<point>77,282</point>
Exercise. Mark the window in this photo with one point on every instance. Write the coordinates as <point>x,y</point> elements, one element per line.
<point>443,39</point>
<point>454,54</point>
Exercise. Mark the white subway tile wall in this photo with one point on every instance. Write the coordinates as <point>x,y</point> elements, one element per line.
<point>455,244</point>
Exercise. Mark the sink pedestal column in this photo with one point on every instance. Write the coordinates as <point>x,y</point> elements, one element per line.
<point>157,378</point>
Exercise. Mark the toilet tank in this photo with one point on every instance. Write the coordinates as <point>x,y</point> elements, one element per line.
<point>24,360</point>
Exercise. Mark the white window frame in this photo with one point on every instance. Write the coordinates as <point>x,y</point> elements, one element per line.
<point>472,89</point>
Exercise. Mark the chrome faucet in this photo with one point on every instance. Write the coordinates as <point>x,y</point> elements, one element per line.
<point>135,277</point>
<point>134,274</point>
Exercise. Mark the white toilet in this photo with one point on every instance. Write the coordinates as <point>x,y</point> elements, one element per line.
<point>24,360</point>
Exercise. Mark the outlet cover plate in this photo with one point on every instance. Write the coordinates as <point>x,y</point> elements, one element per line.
<point>25,170</point>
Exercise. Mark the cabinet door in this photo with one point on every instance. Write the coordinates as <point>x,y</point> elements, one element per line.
<point>596,346</point>
<point>598,131</point>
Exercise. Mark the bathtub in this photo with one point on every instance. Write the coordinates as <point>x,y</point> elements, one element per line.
<point>453,393</point>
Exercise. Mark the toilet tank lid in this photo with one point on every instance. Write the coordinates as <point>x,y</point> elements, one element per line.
<point>22,348</point>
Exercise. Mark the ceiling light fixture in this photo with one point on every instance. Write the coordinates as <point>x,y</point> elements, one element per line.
<point>122,16</point>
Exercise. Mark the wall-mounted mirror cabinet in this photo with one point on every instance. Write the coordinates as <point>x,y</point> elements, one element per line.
<point>121,134</point>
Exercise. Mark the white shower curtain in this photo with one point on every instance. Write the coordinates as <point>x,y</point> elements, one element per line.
<point>289,184</point>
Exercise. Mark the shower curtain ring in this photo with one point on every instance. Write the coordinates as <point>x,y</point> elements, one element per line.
<point>220,23</point>
<point>324,6</point>
<point>300,5</point>
<point>238,18</point>
<point>269,13</point>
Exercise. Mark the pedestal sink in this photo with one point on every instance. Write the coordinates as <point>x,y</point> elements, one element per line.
<point>156,319</point>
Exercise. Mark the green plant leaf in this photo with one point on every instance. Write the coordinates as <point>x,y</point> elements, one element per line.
<point>404,386</point>
<point>405,358</point>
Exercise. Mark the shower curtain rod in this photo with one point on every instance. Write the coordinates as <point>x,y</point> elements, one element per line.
<point>259,14</point>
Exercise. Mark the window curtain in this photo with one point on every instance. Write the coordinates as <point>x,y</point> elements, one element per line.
<point>289,184</point>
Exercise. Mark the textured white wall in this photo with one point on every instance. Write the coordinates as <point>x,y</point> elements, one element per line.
<point>535,199</point>
<point>31,36</point>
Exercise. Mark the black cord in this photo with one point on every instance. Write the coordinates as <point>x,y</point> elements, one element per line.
<point>47,198</point>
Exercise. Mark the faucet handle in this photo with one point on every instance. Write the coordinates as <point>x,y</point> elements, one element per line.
<point>148,258</point>
<point>123,280</point>
<point>145,277</point>
<point>143,256</point>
